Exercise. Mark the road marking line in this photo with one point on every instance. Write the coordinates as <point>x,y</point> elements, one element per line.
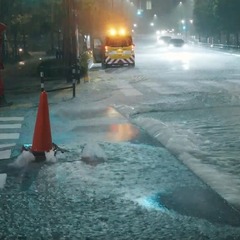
<point>5,154</point>
<point>11,118</point>
<point>9,135</point>
<point>7,145</point>
<point>3,177</point>
<point>128,90</point>
<point>10,126</point>
<point>6,148</point>
<point>151,84</point>
<point>131,92</point>
<point>159,88</point>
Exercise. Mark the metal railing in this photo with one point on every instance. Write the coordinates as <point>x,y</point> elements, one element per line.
<point>75,78</point>
<point>219,46</point>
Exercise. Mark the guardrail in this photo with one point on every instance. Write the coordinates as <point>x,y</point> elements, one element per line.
<point>218,46</point>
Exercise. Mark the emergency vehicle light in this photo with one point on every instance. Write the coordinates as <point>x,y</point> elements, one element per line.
<point>114,32</point>
<point>122,31</point>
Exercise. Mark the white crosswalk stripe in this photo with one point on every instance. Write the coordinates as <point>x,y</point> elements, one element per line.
<point>8,145</point>
<point>9,132</point>
<point>128,90</point>
<point>5,119</point>
<point>4,126</point>
<point>5,154</point>
<point>3,177</point>
<point>9,136</point>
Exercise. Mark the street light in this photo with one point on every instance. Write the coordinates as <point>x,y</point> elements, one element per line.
<point>139,12</point>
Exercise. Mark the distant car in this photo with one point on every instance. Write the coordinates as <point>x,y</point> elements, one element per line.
<point>176,42</point>
<point>163,41</point>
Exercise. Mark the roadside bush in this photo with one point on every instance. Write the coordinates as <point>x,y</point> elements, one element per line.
<point>83,62</point>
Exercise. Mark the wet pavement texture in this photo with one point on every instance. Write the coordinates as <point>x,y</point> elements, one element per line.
<point>201,203</point>
<point>70,199</point>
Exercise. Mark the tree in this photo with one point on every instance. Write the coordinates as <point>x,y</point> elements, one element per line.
<point>204,19</point>
<point>227,13</point>
<point>30,20</point>
<point>217,17</point>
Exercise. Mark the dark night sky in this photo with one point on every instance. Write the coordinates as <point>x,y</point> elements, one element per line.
<point>167,6</point>
<point>164,6</point>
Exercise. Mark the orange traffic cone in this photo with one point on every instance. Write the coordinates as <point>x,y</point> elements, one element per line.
<point>42,138</point>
